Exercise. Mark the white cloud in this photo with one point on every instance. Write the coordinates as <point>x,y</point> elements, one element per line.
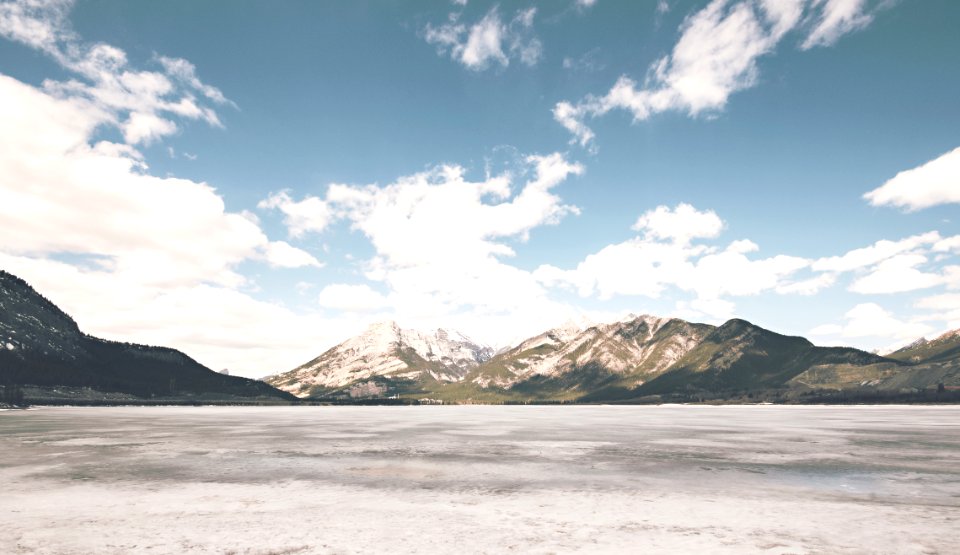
<point>948,244</point>
<point>39,25</point>
<point>874,254</point>
<point>872,320</point>
<point>219,326</point>
<point>141,103</point>
<point>586,3</point>
<point>715,56</point>
<point>351,298</point>
<point>60,194</point>
<point>146,128</point>
<point>440,214</point>
<point>947,301</point>
<point>933,183</point>
<point>810,286</point>
<point>308,215</point>
<point>664,258</point>
<point>153,260</point>
<point>895,266</point>
<point>282,255</point>
<point>716,310</point>
<point>488,41</point>
<point>440,238</point>
<point>896,275</point>
<point>680,224</point>
<point>837,18</point>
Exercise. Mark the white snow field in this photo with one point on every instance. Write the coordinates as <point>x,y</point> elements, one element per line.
<point>481,479</point>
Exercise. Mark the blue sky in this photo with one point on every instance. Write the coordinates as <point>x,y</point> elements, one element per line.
<point>254,182</point>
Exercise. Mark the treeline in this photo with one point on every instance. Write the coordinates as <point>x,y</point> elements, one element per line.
<point>12,395</point>
<point>806,397</point>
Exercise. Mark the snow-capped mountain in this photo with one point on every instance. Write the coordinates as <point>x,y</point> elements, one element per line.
<point>385,349</point>
<point>944,347</point>
<point>29,323</point>
<point>638,345</point>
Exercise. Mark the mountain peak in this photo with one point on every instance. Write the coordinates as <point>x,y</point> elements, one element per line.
<point>386,351</point>
<point>948,335</point>
<point>43,346</point>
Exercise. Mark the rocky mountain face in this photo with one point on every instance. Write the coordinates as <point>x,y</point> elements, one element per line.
<point>562,363</point>
<point>943,348</point>
<point>922,365</point>
<point>42,346</point>
<point>638,357</point>
<point>385,350</point>
<point>741,356</point>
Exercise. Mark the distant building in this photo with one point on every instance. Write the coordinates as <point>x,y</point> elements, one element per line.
<point>225,372</point>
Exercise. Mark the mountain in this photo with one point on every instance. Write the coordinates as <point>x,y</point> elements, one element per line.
<point>41,346</point>
<point>740,356</point>
<point>637,358</point>
<point>943,348</point>
<point>567,364</point>
<point>385,356</point>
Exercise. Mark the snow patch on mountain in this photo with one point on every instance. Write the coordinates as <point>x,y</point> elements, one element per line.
<point>626,345</point>
<point>386,349</point>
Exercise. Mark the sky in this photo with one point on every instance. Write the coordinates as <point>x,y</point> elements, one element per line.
<point>254,182</point>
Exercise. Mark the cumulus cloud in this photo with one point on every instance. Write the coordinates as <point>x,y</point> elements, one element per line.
<point>715,56</point>
<point>894,266</point>
<point>438,236</point>
<point>61,194</point>
<point>943,308</point>
<point>221,327</point>
<point>283,255</point>
<point>896,275</point>
<point>872,320</point>
<point>665,258</point>
<point>308,215</point>
<point>489,41</point>
<point>440,241</point>
<point>680,224</point>
<point>143,104</point>
<point>351,298</point>
<point>151,259</point>
<point>933,183</point>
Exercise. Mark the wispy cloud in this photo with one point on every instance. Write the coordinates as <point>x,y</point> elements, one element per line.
<point>142,104</point>
<point>872,320</point>
<point>489,41</point>
<point>715,56</point>
<point>935,182</point>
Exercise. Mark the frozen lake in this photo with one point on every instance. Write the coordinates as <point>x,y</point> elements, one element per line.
<point>669,479</point>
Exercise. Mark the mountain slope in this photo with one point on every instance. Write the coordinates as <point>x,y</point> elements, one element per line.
<point>943,348</point>
<point>619,355</point>
<point>740,356</point>
<point>384,352</point>
<point>41,345</point>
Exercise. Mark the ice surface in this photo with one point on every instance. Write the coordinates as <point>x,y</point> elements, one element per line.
<point>671,479</point>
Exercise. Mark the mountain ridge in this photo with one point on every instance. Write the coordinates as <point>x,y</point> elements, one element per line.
<point>43,347</point>
<point>385,349</point>
<point>644,357</point>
